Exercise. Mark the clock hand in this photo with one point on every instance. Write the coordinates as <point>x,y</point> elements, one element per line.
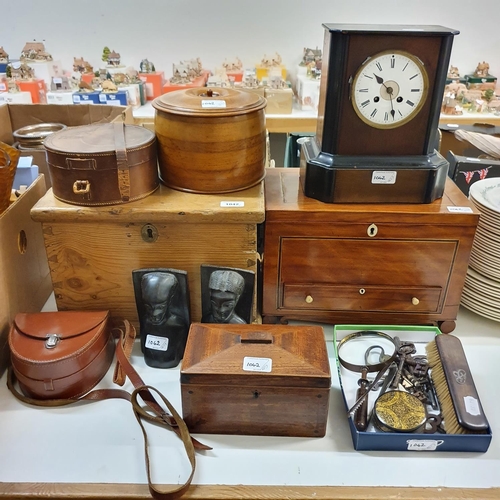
<point>389,91</point>
<point>392,109</point>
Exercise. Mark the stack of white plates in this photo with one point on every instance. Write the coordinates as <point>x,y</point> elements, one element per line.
<point>481,292</point>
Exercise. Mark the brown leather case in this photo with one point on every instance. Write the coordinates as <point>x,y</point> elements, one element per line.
<point>60,354</point>
<point>102,164</point>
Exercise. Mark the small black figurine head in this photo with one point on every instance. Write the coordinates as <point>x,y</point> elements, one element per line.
<point>157,291</point>
<point>226,288</point>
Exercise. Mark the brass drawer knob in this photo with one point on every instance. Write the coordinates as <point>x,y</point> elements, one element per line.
<point>309,299</point>
<point>415,301</point>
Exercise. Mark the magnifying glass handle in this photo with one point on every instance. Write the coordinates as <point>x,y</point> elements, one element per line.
<point>360,417</point>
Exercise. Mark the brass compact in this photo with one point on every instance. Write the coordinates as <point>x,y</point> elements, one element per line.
<point>399,411</point>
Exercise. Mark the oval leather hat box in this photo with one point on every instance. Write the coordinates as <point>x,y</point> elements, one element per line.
<point>210,140</point>
<point>102,163</point>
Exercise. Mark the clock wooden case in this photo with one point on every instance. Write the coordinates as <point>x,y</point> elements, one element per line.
<point>380,100</point>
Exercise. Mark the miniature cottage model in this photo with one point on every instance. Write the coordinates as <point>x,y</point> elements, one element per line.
<point>35,51</point>
<point>20,71</point>
<point>114,58</point>
<point>4,57</point>
<point>82,66</point>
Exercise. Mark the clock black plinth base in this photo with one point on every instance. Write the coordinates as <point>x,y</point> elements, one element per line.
<point>371,179</point>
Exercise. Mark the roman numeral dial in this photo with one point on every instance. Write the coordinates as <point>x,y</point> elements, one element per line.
<point>389,89</point>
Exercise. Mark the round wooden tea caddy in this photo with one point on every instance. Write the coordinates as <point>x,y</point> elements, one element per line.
<point>210,140</point>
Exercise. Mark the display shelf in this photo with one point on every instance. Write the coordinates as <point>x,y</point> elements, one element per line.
<point>470,119</point>
<point>297,121</point>
<point>305,121</point>
<point>96,450</point>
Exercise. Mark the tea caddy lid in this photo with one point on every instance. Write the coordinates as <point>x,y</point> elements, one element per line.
<point>207,101</point>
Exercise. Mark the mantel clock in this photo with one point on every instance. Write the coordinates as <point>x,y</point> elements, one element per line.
<point>380,101</point>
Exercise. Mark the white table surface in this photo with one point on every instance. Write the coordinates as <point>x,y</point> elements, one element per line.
<point>102,443</point>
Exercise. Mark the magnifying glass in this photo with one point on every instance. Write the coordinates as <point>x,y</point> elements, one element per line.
<point>364,352</point>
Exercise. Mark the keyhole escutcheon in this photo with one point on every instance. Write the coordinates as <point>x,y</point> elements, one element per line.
<point>372,230</point>
<point>149,233</point>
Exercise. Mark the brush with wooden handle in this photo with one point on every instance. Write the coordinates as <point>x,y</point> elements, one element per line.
<point>460,405</point>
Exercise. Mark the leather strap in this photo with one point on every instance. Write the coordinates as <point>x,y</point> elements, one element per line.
<point>122,161</point>
<point>154,412</point>
<point>123,351</point>
<point>140,414</point>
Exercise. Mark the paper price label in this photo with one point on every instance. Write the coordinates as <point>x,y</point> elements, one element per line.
<point>232,204</point>
<point>423,444</point>
<point>156,343</point>
<point>383,177</point>
<point>460,210</point>
<point>472,405</point>
<point>212,103</point>
<point>251,364</point>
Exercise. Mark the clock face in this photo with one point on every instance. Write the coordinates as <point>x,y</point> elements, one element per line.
<point>389,89</point>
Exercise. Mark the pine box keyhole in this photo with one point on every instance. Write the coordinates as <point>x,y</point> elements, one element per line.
<point>149,233</point>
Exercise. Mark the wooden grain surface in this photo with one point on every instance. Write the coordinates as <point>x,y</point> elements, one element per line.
<point>72,491</point>
<point>284,197</point>
<point>215,154</point>
<point>165,205</point>
<point>91,264</point>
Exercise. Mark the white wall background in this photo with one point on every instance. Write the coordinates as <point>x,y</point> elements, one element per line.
<point>167,31</point>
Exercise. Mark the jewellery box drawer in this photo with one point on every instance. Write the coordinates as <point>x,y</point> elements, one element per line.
<point>371,298</point>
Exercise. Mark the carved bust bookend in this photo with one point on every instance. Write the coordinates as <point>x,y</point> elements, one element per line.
<point>227,295</point>
<point>162,301</point>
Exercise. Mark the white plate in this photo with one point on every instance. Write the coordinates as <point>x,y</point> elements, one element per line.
<point>481,313</point>
<point>485,270</point>
<point>482,240</point>
<point>476,288</point>
<point>489,230</point>
<point>485,212</point>
<point>490,262</point>
<point>480,278</point>
<point>479,305</point>
<point>487,302</point>
<point>487,193</point>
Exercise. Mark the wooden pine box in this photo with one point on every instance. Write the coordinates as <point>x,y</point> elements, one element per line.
<point>268,380</point>
<point>93,250</point>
